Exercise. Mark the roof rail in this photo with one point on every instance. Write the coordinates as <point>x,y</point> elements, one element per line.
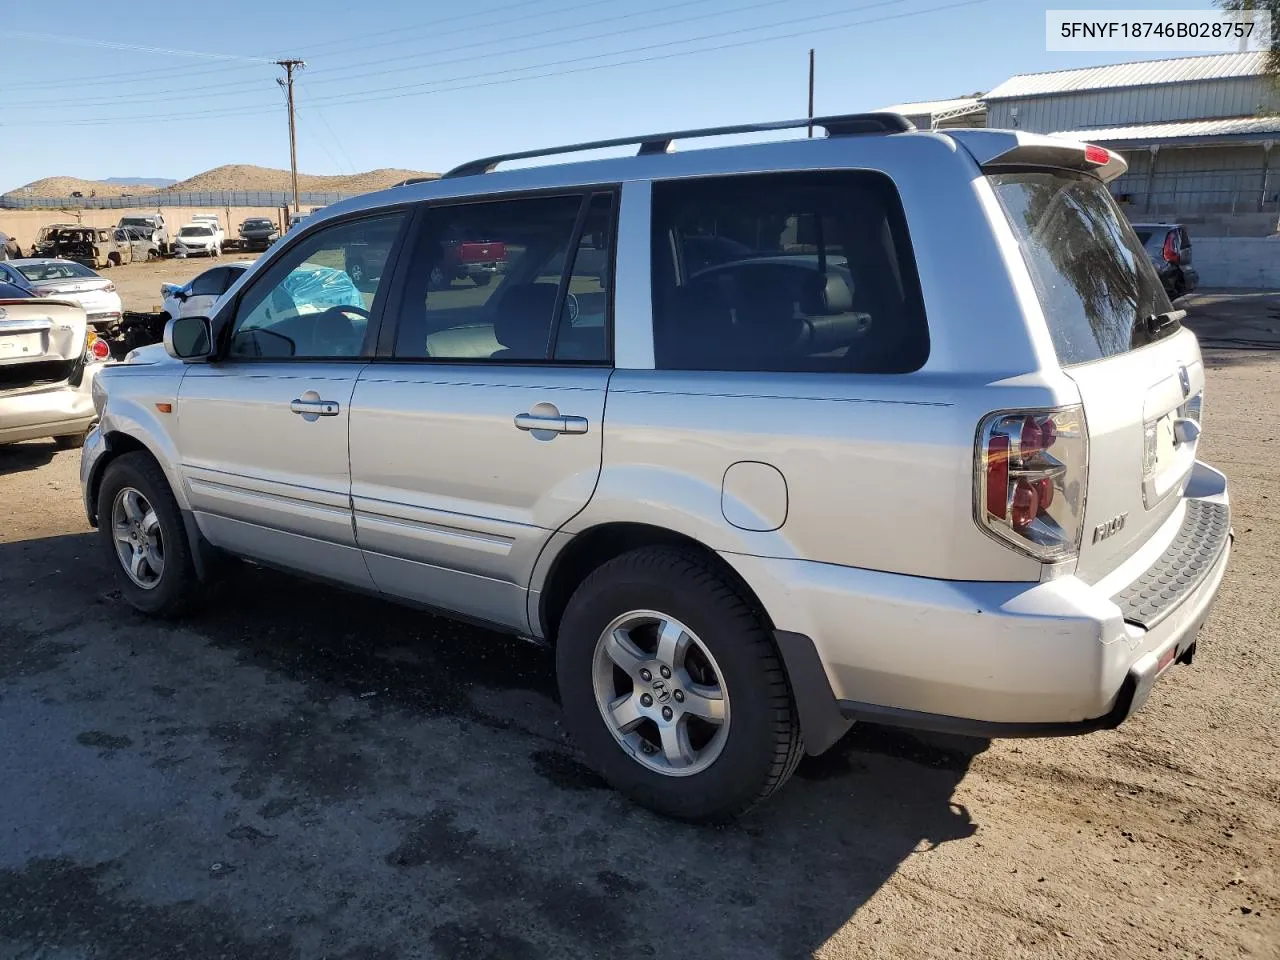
<point>846,125</point>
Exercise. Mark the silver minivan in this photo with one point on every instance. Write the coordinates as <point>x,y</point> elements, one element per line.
<point>765,439</point>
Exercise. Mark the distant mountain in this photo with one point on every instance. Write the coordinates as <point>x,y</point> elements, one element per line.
<point>141,181</point>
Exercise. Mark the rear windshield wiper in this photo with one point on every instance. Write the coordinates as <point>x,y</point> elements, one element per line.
<point>1158,321</point>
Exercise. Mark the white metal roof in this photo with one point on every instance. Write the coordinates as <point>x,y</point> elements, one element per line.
<point>1234,127</point>
<point>932,107</point>
<point>1139,74</point>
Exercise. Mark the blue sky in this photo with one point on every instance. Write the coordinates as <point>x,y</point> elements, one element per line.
<point>424,85</point>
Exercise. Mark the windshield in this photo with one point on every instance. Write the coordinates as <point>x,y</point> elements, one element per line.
<point>136,222</point>
<point>195,232</point>
<point>55,270</point>
<point>1096,285</point>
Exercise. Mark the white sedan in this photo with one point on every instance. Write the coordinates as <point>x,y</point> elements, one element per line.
<point>196,238</point>
<point>67,280</point>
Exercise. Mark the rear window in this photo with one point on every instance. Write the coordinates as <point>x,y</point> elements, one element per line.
<point>785,272</point>
<point>1100,295</point>
<point>58,270</point>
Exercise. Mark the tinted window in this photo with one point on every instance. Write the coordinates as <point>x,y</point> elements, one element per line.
<point>211,283</point>
<point>485,280</point>
<point>1095,281</point>
<point>306,304</point>
<point>785,272</point>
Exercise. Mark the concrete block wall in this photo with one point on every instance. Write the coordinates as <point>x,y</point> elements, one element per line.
<point>1240,262</point>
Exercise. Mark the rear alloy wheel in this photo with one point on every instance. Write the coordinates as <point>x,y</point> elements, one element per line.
<point>672,687</point>
<point>660,693</point>
<point>141,525</point>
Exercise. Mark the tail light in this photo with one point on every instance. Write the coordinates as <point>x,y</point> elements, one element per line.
<point>95,348</point>
<point>1031,469</point>
<point>1170,252</point>
<point>110,288</point>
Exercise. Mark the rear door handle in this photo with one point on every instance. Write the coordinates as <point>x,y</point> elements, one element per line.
<point>552,424</point>
<point>316,408</point>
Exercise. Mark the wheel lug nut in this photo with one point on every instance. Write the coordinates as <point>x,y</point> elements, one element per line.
<point>646,700</point>
<point>666,713</point>
<point>645,675</point>
<point>666,671</point>
<point>679,695</point>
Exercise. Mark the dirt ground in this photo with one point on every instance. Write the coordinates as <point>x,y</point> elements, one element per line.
<point>299,772</point>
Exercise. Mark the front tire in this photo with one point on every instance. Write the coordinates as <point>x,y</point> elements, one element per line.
<point>673,689</point>
<point>141,529</point>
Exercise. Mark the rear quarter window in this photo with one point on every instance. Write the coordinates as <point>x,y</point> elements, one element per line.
<point>1096,285</point>
<point>804,272</point>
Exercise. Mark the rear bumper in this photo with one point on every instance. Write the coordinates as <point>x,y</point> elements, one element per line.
<point>53,411</point>
<point>989,659</point>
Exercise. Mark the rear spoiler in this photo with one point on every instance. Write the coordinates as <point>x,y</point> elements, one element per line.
<point>1006,148</point>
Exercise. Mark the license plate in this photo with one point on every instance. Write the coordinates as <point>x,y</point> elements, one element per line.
<point>21,345</point>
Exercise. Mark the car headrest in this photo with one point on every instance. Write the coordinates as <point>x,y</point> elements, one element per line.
<point>523,320</point>
<point>826,293</point>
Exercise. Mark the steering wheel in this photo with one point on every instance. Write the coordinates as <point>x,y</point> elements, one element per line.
<point>332,337</point>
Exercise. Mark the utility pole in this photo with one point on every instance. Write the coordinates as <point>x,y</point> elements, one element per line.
<point>811,92</point>
<point>287,85</point>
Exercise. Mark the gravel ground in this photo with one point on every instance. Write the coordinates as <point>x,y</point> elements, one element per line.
<point>299,772</point>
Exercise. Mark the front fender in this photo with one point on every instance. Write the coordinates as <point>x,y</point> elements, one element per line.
<point>132,417</point>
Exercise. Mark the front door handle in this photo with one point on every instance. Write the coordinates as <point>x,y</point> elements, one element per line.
<point>551,424</point>
<point>315,408</point>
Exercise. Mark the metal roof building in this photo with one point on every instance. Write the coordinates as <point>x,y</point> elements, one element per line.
<point>943,114</point>
<point>1194,129</point>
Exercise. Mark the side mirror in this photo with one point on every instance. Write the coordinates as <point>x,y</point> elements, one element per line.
<point>189,338</point>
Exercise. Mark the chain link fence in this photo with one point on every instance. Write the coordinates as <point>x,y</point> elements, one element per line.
<point>214,198</point>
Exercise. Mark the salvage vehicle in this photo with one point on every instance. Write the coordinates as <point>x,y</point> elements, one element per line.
<point>152,222</point>
<point>258,233</point>
<point>196,238</point>
<point>881,425</point>
<point>213,223</point>
<point>48,359</point>
<point>67,280</point>
<point>47,237</point>
<point>99,247</point>
<point>9,249</point>
<point>141,245</point>
<point>196,297</point>
<point>1169,247</point>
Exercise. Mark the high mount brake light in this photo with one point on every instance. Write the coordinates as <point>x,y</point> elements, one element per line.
<point>1099,156</point>
<point>1030,472</point>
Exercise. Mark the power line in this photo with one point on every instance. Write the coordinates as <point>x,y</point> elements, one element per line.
<point>183,93</point>
<point>359,96</point>
<point>351,167</point>
<point>137,75</point>
<point>114,45</point>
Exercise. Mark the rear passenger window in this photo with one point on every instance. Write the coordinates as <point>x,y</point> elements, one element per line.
<point>511,280</point>
<point>785,272</point>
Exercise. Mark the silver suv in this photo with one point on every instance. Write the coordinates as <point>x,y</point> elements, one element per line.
<point>765,440</point>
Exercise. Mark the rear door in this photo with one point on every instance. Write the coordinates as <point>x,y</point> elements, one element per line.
<point>1116,335</point>
<point>477,431</point>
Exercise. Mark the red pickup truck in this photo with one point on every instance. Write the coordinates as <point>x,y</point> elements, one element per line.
<point>476,260</point>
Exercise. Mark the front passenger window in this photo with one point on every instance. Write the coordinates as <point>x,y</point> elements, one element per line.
<point>315,300</point>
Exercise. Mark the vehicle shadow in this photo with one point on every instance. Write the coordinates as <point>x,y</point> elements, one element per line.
<point>781,881</point>
<point>551,860</point>
<point>30,455</point>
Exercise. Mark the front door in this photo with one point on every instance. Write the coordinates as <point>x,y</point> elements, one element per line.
<point>263,431</point>
<point>478,431</point>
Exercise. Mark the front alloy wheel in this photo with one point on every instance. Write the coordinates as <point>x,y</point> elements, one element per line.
<point>661,693</point>
<point>138,538</point>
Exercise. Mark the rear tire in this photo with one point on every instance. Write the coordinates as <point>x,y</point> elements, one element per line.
<point>135,478</point>
<point>727,766</point>
<point>69,441</point>
<point>482,279</point>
